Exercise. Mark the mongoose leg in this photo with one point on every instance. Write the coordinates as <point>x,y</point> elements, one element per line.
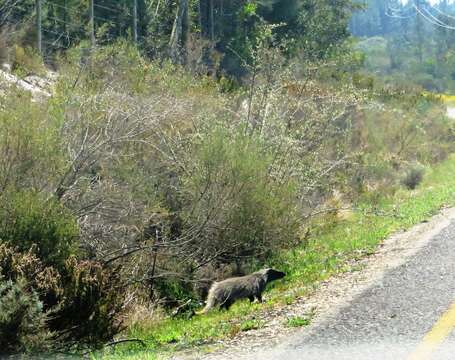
<point>226,305</point>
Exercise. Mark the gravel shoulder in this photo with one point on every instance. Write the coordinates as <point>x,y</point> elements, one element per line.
<point>330,297</point>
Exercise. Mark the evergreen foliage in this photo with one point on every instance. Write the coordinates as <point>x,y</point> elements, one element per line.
<point>22,320</point>
<point>210,32</point>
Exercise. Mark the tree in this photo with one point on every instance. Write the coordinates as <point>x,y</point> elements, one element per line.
<point>179,30</point>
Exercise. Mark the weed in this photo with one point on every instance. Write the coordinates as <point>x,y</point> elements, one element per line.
<point>27,61</point>
<point>251,324</point>
<point>297,321</point>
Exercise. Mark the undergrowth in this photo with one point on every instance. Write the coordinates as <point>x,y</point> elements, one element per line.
<point>327,253</point>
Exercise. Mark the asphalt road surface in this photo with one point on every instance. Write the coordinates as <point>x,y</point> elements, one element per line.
<point>407,314</point>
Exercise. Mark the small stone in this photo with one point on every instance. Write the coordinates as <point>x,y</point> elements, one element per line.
<point>6,67</point>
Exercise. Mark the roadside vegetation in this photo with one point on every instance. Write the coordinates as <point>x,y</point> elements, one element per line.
<point>329,252</point>
<point>130,191</point>
<point>140,181</point>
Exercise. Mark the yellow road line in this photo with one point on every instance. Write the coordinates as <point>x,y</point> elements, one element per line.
<point>436,336</point>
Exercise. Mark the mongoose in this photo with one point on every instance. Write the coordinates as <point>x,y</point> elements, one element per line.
<point>226,292</point>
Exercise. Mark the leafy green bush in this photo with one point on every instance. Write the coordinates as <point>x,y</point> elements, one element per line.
<point>251,324</point>
<point>27,61</point>
<point>244,208</point>
<point>297,321</point>
<point>28,219</point>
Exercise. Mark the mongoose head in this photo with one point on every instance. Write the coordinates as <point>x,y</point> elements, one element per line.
<point>272,274</point>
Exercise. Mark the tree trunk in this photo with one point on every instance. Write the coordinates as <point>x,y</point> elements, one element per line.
<point>178,34</point>
<point>201,22</point>
<point>212,21</point>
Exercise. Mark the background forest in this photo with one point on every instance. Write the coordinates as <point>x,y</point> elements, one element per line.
<point>406,44</point>
<point>221,137</point>
<point>205,33</point>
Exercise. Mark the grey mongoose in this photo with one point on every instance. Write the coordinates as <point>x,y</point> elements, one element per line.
<point>225,293</point>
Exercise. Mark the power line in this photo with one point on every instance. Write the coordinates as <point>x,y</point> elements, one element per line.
<point>107,8</point>
<point>78,18</point>
<point>69,9</point>
<point>440,24</point>
<point>443,13</point>
<point>395,9</point>
<point>398,16</point>
<point>421,10</point>
<point>427,11</point>
<point>65,22</point>
<point>66,34</point>
<point>400,13</point>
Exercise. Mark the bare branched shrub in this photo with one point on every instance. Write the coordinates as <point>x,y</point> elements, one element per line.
<point>168,185</point>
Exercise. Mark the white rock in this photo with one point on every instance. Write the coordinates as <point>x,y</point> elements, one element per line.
<point>6,67</point>
<point>11,79</point>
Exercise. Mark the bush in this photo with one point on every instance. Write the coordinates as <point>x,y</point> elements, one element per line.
<point>35,160</point>
<point>27,61</point>
<point>23,325</point>
<point>90,304</point>
<point>26,266</point>
<point>118,63</point>
<point>84,299</point>
<point>243,209</point>
<point>297,321</point>
<point>28,219</point>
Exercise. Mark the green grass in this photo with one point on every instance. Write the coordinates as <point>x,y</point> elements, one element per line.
<point>327,253</point>
<point>251,324</point>
<point>297,321</point>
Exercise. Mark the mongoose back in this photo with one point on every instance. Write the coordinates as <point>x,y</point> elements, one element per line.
<point>225,293</point>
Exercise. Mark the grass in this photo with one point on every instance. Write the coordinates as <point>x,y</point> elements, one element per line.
<point>297,321</point>
<point>328,252</point>
<point>251,324</point>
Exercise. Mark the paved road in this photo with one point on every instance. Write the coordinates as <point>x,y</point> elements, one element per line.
<point>403,316</point>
